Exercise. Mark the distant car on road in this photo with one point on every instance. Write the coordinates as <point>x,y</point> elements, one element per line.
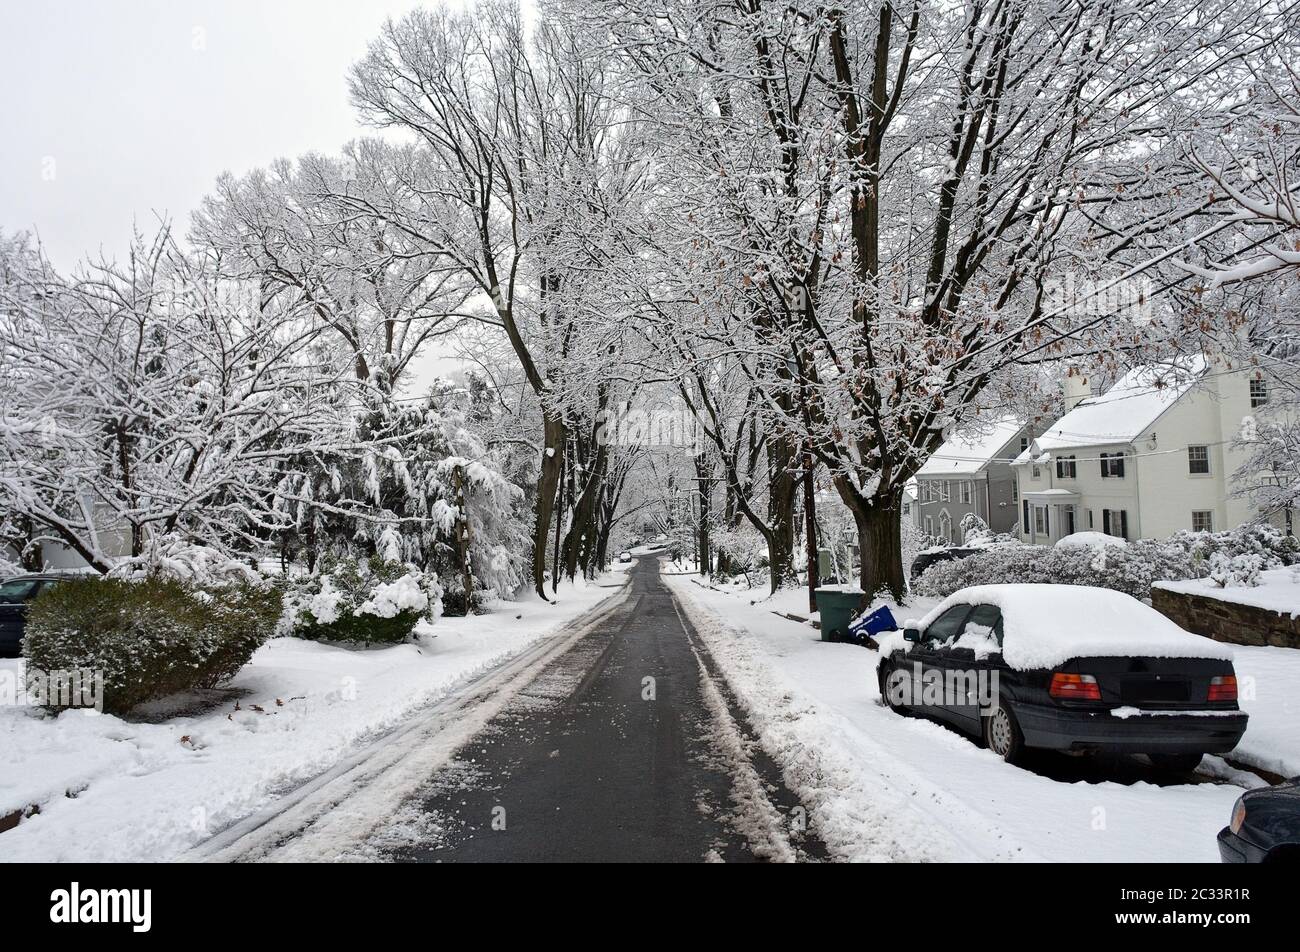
<point>1265,826</point>
<point>933,556</point>
<point>1066,667</point>
<point>625,557</point>
<point>15,594</point>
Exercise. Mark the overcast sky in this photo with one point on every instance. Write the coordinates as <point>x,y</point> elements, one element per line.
<point>119,110</point>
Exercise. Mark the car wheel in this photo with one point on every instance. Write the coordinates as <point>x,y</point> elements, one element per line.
<point>1176,763</point>
<point>1002,733</point>
<point>886,671</point>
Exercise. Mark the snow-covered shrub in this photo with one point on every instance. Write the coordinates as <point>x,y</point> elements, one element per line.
<point>371,601</point>
<point>974,530</point>
<point>1089,540</point>
<point>454,602</point>
<point>1236,571</point>
<point>150,638</point>
<point>1273,546</point>
<point>172,556</point>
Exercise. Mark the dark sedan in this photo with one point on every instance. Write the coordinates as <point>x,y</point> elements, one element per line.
<point>15,594</point>
<point>1265,826</point>
<point>934,556</point>
<point>1067,668</point>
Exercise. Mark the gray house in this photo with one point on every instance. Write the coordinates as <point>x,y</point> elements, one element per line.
<point>971,473</point>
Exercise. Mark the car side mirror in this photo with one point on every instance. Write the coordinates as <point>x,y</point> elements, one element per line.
<point>911,634</point>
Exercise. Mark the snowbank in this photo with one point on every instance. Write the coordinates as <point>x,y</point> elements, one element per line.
<point>1047,625</point>
<point>114,790</point>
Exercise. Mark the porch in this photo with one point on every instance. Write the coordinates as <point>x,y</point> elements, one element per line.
<point>1050,514</point>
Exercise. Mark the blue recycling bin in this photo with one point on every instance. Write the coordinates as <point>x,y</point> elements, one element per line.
<point>882,619</point>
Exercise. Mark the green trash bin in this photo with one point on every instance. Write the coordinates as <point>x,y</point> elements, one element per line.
<point>837,604</point>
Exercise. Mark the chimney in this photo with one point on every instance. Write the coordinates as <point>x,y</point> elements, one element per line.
<point>1077,388</point>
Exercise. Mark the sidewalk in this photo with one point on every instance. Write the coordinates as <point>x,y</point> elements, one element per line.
<point>880,786</point>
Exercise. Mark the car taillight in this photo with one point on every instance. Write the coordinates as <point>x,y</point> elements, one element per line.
<point>1075,687</point>
<point>1223,688</point>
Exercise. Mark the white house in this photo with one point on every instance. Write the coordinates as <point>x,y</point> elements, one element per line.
<point>1152,455</point>
<point>971,472</point>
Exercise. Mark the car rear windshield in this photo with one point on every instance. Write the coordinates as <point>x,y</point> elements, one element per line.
<point>18,590</point>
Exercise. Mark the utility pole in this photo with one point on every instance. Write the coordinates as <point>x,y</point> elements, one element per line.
<point>704,485</point>
<point>810,527</point>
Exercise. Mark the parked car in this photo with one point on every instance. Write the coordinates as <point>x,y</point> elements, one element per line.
<point>625,557</point>
<point>1265,826</point>
<point>1077,668</point>
<point>932,556</point>
<point>15,594</point>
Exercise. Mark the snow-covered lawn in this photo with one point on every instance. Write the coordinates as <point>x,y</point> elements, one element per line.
<point>880,786</point>
<point>110,789</point>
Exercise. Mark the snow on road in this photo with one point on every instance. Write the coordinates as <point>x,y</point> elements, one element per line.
<point>116,790</point>
<point>880,786</point>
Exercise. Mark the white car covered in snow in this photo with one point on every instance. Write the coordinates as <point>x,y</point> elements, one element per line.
<point>1065,667</point>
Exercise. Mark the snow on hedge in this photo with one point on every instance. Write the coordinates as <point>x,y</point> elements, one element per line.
<point>1046,625</point>
<point>1089,540</point>
<point>1236,556</point>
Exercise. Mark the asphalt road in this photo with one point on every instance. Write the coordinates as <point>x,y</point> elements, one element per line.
<point>626,748</point>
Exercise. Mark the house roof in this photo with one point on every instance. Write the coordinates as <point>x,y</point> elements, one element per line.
<point>969,453</point>
<point>1126,410</point>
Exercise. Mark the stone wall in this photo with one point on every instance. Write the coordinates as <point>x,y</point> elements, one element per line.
<point>1227,621</point>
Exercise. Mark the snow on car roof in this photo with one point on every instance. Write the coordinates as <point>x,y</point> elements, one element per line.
<point>1123,412</point>
<point>968,453</point>
<point>1047,625</point>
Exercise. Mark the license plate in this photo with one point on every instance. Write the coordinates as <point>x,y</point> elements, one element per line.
<point>1135,690</point>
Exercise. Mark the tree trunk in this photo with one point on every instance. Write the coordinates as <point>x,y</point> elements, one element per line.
<point>880,540</point>
<point>548,481</point>
<point>463,540</point>
<point>705,490</point>
<point>781,490</point>
<point>579,542</point>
